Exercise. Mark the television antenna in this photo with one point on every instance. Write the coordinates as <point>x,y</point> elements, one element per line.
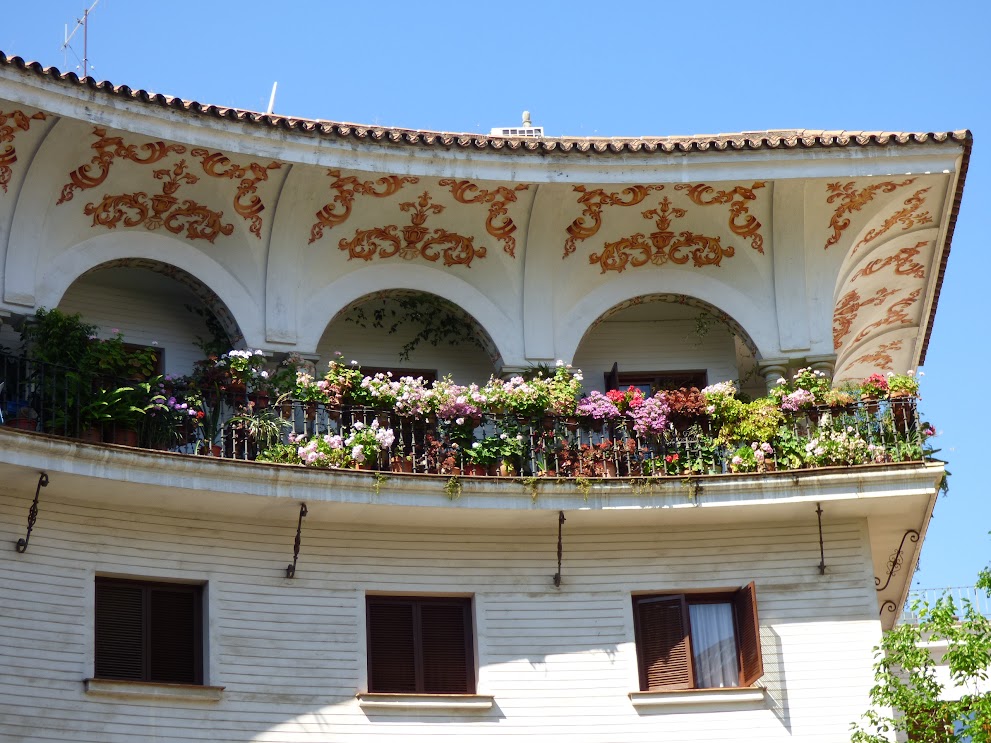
<point>66,47</point>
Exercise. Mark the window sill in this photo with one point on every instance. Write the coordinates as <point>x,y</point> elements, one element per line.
<point>697,697</point>
<point>425,701</point>
<point>153,690</point>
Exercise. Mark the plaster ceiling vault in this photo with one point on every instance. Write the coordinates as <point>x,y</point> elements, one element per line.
<point>814,243</point>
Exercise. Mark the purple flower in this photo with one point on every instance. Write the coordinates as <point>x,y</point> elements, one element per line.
<point>597,406</point>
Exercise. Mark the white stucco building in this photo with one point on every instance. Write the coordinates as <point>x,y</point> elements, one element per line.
<point>739,256</point>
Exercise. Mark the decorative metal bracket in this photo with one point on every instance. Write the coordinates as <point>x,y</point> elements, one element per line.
<point>22,544</point>
<point>560,523</point>
<point>896,559</point>
<point>889,605</point>
<point>822,551</point>
<point>291,569</point>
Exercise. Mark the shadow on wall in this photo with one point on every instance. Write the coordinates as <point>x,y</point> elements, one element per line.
<point>774,676</point>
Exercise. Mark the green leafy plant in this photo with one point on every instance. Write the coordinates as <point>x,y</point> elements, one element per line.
<point>432,319</point>
<point>453,487</point>
<point>218,339</point>
<point>54,337</point>
<point>908,697</point>
<point>903,385</point>
<point>261,428</point>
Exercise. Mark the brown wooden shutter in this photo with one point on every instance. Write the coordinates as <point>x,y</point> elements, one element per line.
<point>173,640</point>
<point>748,628</point>
<point>446,648</point>
<point>391,654</point>
<point>120,633</point>
<point>612,377</point>
<point>663,644</point>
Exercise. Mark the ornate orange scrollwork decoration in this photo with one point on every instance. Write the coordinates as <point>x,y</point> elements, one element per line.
<point>848,308</point>
<point>247,203</point>
<point>662,246</point>
<point>897,313</point>
<point>498,224</point>
<point>741,222</point>
<point>906,216</point>
<point>851,200</point>
<point>593,202</point>
<point>386,242</point>
<point>347,187</point>
<point>881,358</point>
<point>107,150</point>
<point>161,210</point>
<point>903,261</point>
<point>10,123</point>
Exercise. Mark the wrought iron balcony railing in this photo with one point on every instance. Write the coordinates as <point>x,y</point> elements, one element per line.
<point>224,422</point>
<point>960,595</point>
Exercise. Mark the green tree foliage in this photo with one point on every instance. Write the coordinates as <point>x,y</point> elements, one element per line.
<point>908,699</point>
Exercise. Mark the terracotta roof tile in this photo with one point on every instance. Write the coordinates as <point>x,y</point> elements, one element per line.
<point>773,139</point>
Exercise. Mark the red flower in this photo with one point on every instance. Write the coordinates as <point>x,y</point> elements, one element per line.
<point>671,458</point>
<point>200,414</point>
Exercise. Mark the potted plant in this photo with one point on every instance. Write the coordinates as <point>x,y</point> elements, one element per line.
<point>255,430</point>
<point>903,390</point>
<point>125,410</point>
<point>687,407</point>
<point>247,370</point>
<point>872,389</point>
<point>367,442</point>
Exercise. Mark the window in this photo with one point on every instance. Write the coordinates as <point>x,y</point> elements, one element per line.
<point>149,631</point>
<point>420,645</point>
<point>698,641</point>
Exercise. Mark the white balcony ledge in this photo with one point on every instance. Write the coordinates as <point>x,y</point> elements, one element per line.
<point>369,700</point>
<point>153,690</point>
<point>698,697</point>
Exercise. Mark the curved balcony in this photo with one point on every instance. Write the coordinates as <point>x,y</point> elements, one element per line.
<point>234,424</point>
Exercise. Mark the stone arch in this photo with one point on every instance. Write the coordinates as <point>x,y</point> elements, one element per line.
<point>755,327</point>
<point>345,291</point>
<point>187,264</point>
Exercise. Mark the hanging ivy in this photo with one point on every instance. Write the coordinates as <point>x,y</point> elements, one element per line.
<point>433,320</point>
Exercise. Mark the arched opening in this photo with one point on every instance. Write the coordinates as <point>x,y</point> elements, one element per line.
<point>411,331</point>
<point>664,341</point>
<point>154,304</point>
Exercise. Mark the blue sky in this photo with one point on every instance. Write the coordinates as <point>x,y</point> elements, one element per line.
<point>592,68</point>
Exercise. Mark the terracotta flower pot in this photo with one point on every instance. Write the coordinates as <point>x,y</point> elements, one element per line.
<point>23,424</point>
<point>476,470</point>
<point>401,465</point>
<point>125,437</point>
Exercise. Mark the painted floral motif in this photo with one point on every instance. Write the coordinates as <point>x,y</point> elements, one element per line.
<point>907,217</point>
<point>337,211</point>
<point>109,149</point>
<point>161,210</point>
<point>851,200</point>
<point>741,222</point>
<point>849,306</point>
<point>662,245</point>
<point>247,203</point>
<point>11,124</point>
<point>903,262</point>
<point>880,358</point>
<point>498,224</point>
<point>414,240</point>
<point>594,202</point>
<point>896,314</point>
